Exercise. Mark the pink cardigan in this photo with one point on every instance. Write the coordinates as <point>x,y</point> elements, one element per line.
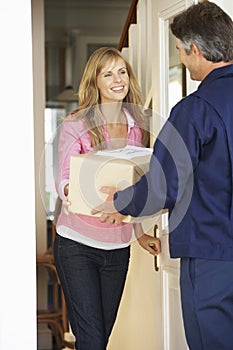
<point>74,139</point>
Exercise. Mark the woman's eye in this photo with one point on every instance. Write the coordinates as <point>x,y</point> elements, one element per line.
<point>123,72</point>
<point>107,75</point>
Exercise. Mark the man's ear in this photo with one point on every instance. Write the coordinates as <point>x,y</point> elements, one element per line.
<point>195,50</point>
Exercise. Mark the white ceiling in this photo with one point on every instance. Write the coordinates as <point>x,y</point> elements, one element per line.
<point>85,18</point>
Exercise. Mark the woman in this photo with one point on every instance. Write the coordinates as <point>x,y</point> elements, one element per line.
<point>93,271</point>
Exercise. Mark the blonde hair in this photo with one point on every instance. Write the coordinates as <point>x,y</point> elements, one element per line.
<point>89,99</point>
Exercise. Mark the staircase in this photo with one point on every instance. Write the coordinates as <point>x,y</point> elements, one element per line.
<point>136,44</point>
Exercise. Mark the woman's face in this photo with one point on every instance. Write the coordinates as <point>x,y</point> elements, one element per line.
<point>113,81</point>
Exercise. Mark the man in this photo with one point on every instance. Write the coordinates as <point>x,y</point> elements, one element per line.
<point>191,174</point>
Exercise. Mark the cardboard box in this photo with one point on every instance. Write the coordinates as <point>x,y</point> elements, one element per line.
<point>117,168</point>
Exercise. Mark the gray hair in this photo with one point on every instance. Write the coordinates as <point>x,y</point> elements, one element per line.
<point>208,27</point>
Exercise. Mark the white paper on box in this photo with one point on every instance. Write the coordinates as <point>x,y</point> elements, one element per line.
<point>128,152</point>
<point>89,172</point>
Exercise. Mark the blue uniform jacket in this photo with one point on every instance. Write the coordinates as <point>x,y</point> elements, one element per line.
<point>191,173</point>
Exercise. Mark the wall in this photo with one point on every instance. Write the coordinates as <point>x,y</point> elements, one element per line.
<point>75,24</point>
<point>17,248</point>
<point>226,5</point>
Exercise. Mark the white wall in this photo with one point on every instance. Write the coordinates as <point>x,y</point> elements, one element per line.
<point>17,247</point>
<point>226,5</point>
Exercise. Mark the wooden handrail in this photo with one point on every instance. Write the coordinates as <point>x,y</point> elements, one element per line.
<point>131,18</point>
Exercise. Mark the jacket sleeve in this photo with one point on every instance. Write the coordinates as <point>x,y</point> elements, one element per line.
<point>151,194</point>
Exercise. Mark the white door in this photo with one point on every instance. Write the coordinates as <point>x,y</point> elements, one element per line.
<point>169,83</point>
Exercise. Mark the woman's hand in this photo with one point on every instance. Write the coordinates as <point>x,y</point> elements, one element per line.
<point>147,242</point>
<point>66,203</point>
<point>66,190</point>
<point>151,244</point>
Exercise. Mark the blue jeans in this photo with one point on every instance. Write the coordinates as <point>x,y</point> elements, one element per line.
<point>93,281</point>
<point>207,303</point>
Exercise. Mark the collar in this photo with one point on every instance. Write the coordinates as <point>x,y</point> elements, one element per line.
<point>217,73</point>
<point>130,120</point>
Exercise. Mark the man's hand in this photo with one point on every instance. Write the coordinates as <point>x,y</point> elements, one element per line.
<point>109,213</point>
